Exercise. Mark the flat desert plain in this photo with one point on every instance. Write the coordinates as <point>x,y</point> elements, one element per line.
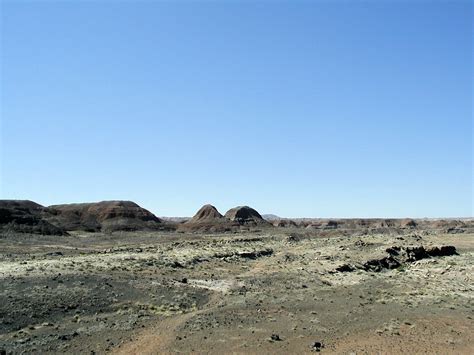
<point>270,290</point>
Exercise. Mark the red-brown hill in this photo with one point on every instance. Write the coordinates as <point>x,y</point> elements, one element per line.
<point>104,216</point>
<point>245,215</point>
<point>208,219</point>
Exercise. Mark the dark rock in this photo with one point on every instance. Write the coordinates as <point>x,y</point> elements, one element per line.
<point>294,238</point>
<point>275,337</point>
<point>177,264</point>
<point>445,250</point>
<point>345,268</point>
<point>361,243</point>
<point>415,253</point>
<point>255,254</point>
<point>418,253</point>
<point>317,345</point>
<point>331,225</point>
<point>55,253</point>
<point>378,265</point>
<point>393,250</point>
<point>454,230</point>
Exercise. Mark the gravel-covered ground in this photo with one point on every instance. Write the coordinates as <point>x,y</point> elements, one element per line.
<point>269,291</point>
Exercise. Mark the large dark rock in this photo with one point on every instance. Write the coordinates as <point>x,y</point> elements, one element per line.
<point>24,216</point>
<point>445,250</point>
<point>415,253</point>
<point>104,216</point>
<point>377,265</point>
<point>399,256</point>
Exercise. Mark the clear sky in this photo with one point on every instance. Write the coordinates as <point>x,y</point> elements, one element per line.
<point>297,108</point>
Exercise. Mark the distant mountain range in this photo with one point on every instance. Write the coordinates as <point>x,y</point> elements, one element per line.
<point>270,217</point>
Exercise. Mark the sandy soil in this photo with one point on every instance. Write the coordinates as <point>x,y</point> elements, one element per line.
<point>271,291</point>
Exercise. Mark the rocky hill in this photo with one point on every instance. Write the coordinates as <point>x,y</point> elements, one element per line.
<point>208,219</point>
<point>103,216</point>
<point>245,215</point>
<point>24,216</point>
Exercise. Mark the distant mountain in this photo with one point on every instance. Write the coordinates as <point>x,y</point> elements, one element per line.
<point>270,217</point>
<point>175,219</point>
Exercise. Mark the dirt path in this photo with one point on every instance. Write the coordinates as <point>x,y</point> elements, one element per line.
<point>158,338</point>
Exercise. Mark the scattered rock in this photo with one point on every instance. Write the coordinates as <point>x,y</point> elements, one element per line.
<point>378,265</point>
<point>294,238</point>
<point>55,253</point>
<point>415,253</point>
<point>275,337</point>
<point>445,250</point>
<point>345,268</point>
<point>397,256</point>
<point>255,254</point>
<point>393,250</point>
<point>317,346</point>
<point>454,230</point>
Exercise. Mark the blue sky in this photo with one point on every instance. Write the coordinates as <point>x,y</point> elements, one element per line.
<point>301,108</point>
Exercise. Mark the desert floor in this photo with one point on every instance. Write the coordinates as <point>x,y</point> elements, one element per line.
<point>269,291</point>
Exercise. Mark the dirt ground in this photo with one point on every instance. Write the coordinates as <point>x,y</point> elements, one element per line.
<point>272,291</point>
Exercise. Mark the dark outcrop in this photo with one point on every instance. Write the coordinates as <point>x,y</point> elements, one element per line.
<point>377,265</point>
<point>24,216</point>
<point>418,253</point>
<point>398,256</point>
<point>105,216</point>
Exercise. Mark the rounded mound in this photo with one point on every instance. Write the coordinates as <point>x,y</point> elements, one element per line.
<point>245,215</point>
<point>208,219</point>
<point>207,213</point>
